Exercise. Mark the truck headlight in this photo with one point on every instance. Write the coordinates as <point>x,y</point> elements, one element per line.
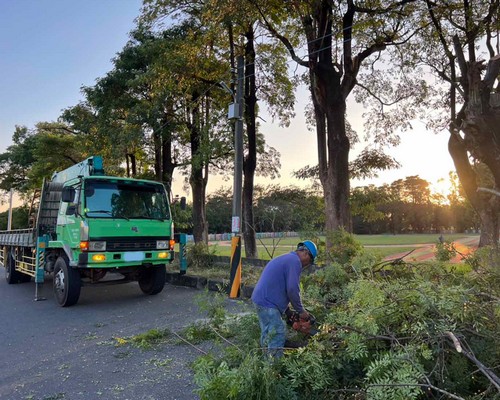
<point>97,246</point>
<point>162,244</point>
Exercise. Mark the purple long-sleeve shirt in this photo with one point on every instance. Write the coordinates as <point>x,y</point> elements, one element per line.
<point>278,284</point>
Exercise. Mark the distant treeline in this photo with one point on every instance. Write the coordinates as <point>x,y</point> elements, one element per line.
<point>404,206</point>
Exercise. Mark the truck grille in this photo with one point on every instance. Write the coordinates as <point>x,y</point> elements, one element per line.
<point>130,243</point>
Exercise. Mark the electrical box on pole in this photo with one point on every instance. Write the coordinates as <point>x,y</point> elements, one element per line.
<point>234,111</point>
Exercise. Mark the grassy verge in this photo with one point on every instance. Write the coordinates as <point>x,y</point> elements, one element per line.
<point>271,247</point>
<point>384,252</point>
<point>381,245</point>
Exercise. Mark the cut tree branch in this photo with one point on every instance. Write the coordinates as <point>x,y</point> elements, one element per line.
<point>492,377</point>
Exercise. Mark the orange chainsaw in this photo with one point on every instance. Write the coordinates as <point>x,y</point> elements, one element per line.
<point>305,326</point>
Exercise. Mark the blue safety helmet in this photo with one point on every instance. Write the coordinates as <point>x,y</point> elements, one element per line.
<point>310,247</point>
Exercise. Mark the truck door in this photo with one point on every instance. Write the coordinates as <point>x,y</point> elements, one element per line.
<point>68,223</point>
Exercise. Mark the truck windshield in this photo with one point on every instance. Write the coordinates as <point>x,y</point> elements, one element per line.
<point>125,199</point>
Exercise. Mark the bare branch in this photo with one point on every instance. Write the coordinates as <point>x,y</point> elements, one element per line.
<point>224,339</point>
<point>189,343</point>
<point>382,102</point>
<point>282,38</point>
<point>492,72</point>
<point>492,191</point>
<point>492,377</point>
<point>455,341</point>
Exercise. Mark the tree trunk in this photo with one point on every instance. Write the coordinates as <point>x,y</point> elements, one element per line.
<point>196,179</point>
<point>333,70</point>
<point>157,149</point>
<point>200,227</point>
<point>133,164</point>
<point>329,95</point>
<point>486,205</point>
<point>250,161</point>
<point>168,164</point>
<point>164,160</point>
<point>480,124</point>
<point>333,146</point>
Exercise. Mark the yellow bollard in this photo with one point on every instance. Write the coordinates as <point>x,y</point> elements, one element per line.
<point>235,277</point>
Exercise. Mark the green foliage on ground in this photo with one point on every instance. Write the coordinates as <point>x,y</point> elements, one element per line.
<point>146,340</point>
<point>150,338</point>
<point>412,331</point>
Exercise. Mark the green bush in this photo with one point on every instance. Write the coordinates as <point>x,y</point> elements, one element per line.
<point>200,256</point>
<point>445,251</point>
<point>344,247</point>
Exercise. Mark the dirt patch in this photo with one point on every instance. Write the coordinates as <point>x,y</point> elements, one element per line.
<point>425,252</point>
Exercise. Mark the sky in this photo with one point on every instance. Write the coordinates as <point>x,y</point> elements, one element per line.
<point>49,49</point>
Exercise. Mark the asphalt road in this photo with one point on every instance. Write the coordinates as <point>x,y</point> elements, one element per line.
<point>50,353</point>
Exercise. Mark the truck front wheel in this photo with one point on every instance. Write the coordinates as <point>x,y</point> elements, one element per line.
<point>152,279</point>
<point>67,283</point>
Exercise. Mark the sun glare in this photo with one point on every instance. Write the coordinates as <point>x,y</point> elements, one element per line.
<point>441,189</point>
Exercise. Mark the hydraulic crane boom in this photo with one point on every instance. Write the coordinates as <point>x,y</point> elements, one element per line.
<point>91,166</point>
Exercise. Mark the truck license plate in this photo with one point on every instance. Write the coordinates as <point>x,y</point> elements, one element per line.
<point>133,256</point>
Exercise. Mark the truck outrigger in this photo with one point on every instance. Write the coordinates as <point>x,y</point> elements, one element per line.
<point>89,225</point>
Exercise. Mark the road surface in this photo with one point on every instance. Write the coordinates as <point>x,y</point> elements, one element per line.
<point>49,353</point>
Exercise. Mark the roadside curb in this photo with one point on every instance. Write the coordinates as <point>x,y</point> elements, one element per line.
<point>214,285</point>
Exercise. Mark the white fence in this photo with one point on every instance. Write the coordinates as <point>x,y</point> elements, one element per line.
<point>219,237</point>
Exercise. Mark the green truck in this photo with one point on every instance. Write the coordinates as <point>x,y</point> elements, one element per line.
<point>90,228</point>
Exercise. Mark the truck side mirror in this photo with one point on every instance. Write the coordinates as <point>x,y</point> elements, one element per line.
<point>68,194</point>
<point>183,203</point>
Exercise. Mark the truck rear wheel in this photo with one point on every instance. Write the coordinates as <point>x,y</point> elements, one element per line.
<point>152,280</point>
<point>67,283</point>
<point>11,274</point>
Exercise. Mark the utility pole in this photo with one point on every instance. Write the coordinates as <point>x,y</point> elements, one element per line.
<point>9,219</point>
<point>237,115</point>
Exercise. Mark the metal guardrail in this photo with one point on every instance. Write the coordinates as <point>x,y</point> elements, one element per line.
<point>27,264</point>
<point>18,237</point>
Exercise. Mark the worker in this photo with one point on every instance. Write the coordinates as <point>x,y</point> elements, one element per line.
<point>278,286</point>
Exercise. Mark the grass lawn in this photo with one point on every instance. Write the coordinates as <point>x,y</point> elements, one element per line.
<point>387,251</point>
<point>272,247</point>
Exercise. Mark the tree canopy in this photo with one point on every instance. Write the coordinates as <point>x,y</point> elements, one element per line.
<point>161,108</point>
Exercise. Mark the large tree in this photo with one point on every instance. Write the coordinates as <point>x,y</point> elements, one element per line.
<point>339,38</point>
<point>133,111</point>
<point>26,162</point>
<point>189,70</point>
<point>461,46</point>
<point>234,30</point>
<point>160,108</point>
<point>266,78</point>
